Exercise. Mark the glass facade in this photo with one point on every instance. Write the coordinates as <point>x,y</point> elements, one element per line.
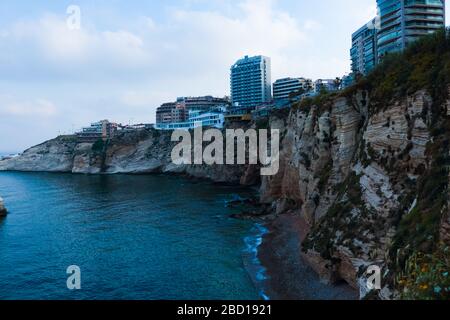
<point>364,49</point>
<point>283,88</point>
<point>250,82</point>
<point>404,21</point>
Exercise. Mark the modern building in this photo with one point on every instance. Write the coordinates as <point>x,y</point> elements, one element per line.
<point>364,49</point>
<point>250,82</point>
<point>164,112</point>
<point>325,84</point>
<point>103,130</point>
<point>203,103</point>
<point>178,112</point>
<point>404,21</point>
<point>284,88</point>
<point>347,81</point>
<point>214,118</point>
<point>136,127</point>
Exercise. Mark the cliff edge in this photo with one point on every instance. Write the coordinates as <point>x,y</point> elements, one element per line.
<point>365,169</point>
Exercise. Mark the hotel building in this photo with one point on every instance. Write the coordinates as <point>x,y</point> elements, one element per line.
<point>364,49</point>
<point>404,21</point>
<point>250,83</point>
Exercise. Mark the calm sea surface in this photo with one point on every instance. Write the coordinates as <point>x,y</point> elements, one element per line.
<point>134,237</point>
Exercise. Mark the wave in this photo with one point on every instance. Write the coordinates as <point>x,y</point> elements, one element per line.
<point>257,271</point>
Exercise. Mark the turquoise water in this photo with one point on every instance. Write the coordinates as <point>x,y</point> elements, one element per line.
<point>133,237</point>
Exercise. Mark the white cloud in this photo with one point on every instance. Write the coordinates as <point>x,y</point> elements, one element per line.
<point>49,43</point>
<point>10,106</point>
<point>127,69</point>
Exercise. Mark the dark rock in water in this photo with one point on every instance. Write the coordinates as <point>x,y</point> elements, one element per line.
<point>3,210</point>
<point>259,213</point>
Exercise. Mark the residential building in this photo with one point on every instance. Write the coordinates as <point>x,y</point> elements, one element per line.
<point>136,127</point>
<point>205,103</point>
<point>250,82</point>
<point>325,84</point>
<point>284,88</point>
<point>178,112</point>
<point>214,118</point>
<point>404,21</point>
<point>347,81</point>
<point>164,112</point>
<point>364,49</point>
<point>103,130</point>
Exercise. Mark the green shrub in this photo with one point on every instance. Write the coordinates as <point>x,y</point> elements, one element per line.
<point>98,145</point>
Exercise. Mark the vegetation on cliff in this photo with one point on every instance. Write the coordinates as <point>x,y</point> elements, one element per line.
<point>417,263</point>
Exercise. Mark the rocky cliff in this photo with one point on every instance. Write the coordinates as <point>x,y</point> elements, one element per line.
<point>366,169</point>
<point>353,175</point>
<point>134,152</point>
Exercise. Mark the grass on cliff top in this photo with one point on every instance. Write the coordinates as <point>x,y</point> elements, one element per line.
<point>425,64</point>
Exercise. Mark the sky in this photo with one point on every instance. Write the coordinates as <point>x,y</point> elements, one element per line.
<point>129,56</point>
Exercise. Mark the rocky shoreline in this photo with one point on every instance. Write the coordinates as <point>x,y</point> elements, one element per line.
<point>352,169</point>
<point>289,276</point>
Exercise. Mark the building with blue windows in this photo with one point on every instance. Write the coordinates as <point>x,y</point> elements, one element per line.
<point>250,83</point>
<point>364,49</point>
<point>404,21</point>
<point>283,89</point>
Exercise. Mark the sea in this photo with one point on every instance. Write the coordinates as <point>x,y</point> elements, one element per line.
<point>131,237</point>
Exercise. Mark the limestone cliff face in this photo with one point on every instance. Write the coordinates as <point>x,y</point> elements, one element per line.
<point>353,172</point>
<point>141,152</point>
<point>366,179</point>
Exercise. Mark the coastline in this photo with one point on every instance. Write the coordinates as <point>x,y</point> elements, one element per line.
<point>288,277</point>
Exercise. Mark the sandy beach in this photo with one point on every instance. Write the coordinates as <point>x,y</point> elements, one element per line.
<point>289,277</point>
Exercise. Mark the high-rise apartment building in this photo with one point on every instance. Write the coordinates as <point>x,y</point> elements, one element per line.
<point>364,48</point>
<point>250,82</point>
<point>404,21</point>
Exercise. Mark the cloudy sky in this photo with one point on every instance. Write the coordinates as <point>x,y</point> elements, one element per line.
<point>130,56</point>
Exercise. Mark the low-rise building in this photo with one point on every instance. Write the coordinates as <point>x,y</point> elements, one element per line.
<point>136,127</point>
<point>178,112</point>
<point>214,118</point>
<point>325,84</point>
<point>103,130</point>
<point>283,89</point>
<point>164,112</point>
<point>204,103</point>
